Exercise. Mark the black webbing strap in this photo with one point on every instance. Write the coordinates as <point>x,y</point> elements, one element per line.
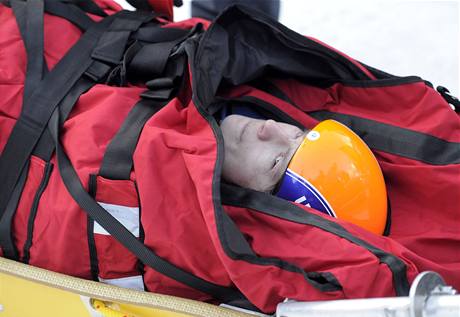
<point>95,71</point>
<point>6,237</point>
<point>69,12</point>
<point>38,107</point>
<point>155,34</point>
<point>126,238</point>
<point>45,146</point>
<point>88,6</point>
<point>93,259</point>
<point>29,17</point>
<point>117,36</point>
<point>118,158</point>
<point>111,45</point>
<point>152,58</point>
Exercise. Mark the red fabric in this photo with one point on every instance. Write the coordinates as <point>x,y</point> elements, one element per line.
<point>410,101</point>
<point>20,222</point>
<point>114,260</point>
<point>59,239</point>
<point>178,148</point>
<point>164,7</point>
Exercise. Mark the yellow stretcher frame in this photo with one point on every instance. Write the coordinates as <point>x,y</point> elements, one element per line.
<point>30,291</point>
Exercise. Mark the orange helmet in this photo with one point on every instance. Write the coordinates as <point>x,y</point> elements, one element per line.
<point>335,172</point>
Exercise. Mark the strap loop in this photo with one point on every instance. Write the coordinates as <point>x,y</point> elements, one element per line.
<point>97,71</point>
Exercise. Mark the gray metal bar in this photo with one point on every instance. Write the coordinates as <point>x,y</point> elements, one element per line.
<point>435,306</point>
<point>428,297</point>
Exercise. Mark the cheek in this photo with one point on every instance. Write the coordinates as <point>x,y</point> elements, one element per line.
<point>237,166</point>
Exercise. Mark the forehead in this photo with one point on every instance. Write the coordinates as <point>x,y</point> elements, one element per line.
<point>236,122</point>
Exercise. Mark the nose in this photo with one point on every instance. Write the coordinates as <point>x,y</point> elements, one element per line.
<point>272,131</point>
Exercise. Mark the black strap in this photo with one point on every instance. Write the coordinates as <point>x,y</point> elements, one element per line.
<point>118,158</point>
<point>29,17</point>
<point>396,140</point>
<point>117,162</point>
<point>88,6</point>
<point>89,56</point>
<point>152,33</point>
<point>126,238</point>
<point>96,71</point>
<point>69,12</point>
<point>45,146</point>
<point>6,235</point>
<point>93,258</point>
<point>30,126</point>
<point>37,109</point>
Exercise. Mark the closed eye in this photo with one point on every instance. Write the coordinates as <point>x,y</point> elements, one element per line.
<point>243,131</point>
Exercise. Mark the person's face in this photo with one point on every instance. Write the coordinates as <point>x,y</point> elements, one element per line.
<point>257,152</point>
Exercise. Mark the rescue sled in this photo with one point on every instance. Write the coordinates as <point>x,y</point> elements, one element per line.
<point>30,291</point>
<point>119,142</point>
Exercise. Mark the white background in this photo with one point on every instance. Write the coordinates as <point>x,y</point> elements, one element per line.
<point>401,37</point>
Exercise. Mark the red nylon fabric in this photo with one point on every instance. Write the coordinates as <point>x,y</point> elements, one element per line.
<point>164,7</point>
<point>178,139</point>
<point>174,164</point>
<point>20,222</point>
<point>114,260</point>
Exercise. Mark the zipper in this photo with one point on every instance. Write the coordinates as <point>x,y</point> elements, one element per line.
<point>34,210</point>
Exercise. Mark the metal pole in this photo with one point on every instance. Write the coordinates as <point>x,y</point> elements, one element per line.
<point>429,297</point>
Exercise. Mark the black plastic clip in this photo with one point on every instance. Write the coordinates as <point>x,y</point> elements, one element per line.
<point>451,99</point>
